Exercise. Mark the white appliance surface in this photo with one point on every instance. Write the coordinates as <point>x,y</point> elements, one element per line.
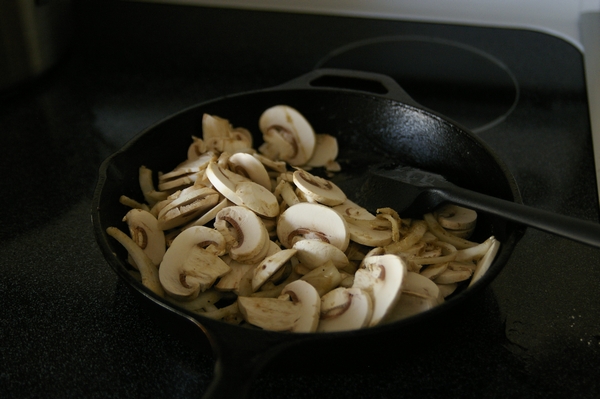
<point>575,21</point>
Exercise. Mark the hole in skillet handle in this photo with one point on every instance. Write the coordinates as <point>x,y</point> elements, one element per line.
<point>347,79</point>
<point>344,82</point>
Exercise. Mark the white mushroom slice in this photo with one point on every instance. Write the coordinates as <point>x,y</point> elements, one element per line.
<point>344,309</point>
<point>186,205</point>
<point>326,150</point>
<point>221,182</point>
<point>444,235</point>
<point>210,214</point>
<point>187,267</point>
<point>350,209</point>
<point>319,189</point>
<point>247,193</point>
<point>276,166</point>
<point>148,270</point>
<point>312,221</point>
<point>276,146</point>
<point>293,128</point>
<point>245,233</point>
<point>324,278</point>
<point>382,276</point>
<point>314,253</point>
<point>296,310</point>
<point>196,149</point>
<point>257,198</point>
<point>145,231</point>
<point>269,266</point>
<point>231,280</point>
<point>214,127</point>
<point>454,217</point>
<point>369,234</point>
<point>485,262</point>
<point>190,166</point>
<point>247,165</point>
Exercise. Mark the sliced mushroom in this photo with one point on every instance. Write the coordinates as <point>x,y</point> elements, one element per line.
<point>186,205</point>
<point>191,264</point>
<point>314,253</point>
<point>312,221</point>
<point>296,310</point>
<point>148,270</point>
<point>382,276</point>
<point>350,209</point>
<point>246,235</point>
<point>221,182</point>
<point>418,295</point>
<point>485,262</point>
<point>459,220</point>
<point>369,233</point>
<point>324,278</point>
<point>145,231</point>
<point>247,193</point>
<point>269,266</point>
<point>282,124</point>
<point>257,198</point>
<point>185,173</point>
<point>319,189</point>
<point>344,309</point>
<point>326,150</point>
<point>247,165</point>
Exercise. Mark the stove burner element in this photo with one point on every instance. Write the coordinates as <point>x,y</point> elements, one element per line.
<point>461,82</point>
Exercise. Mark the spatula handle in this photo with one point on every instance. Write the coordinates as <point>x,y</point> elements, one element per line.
<point>582,231</point>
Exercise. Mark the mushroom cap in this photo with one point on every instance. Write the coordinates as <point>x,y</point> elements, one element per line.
<point>319,189</point>
<point>245,233</point>
<point>187,267</point>
<point>344,309</point>
<point>294,129</point>
<point>382,276</point>
<point>312,221</point>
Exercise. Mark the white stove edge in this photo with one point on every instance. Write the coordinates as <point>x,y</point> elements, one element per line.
<point>575,21</point>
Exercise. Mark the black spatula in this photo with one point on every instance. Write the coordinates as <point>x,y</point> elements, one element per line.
<point>415,191</point>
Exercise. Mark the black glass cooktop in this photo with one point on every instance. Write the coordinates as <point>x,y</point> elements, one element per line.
<point>70,328</point>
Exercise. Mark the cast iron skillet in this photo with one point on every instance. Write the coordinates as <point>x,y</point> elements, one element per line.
<point>373,120</point>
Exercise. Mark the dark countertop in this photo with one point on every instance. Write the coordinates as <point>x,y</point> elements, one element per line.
<point>70,328</point>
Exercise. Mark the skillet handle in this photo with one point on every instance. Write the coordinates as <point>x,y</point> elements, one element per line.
<point>346,79</point>
<point>240,359</point>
